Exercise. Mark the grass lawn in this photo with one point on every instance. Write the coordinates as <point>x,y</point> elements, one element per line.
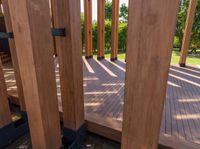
<point>192,59</point>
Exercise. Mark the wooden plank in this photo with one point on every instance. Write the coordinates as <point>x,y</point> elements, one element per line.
<point>70,61</point>
<point>187,32</point>
<point>32,31</point>
<point>88,28</point>
<point>5,115</point>
<point>14,56</point>
<point>1,11</point>
<point>101,28</point>
<point>115,24</point>
<point>52,21</point>
<point>148,61</point>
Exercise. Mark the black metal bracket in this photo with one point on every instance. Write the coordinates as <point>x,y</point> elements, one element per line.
<point>74,139</point>
<point>14,130</point>
<point>6,35</point>
<point>58,31</point>
<point>54,32</point>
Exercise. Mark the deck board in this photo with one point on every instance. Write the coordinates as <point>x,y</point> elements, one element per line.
<point>104,93</point>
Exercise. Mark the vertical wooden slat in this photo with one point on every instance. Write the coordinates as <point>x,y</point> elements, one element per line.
<point>114,36</point>
<point>187,32</point>
<point>1,11</point>
<point>52,21</point>
<point>67,15</point>
<point>151,27</point>
<point>14,56</point>
<point>5,115</point>
<point>101,28</point>
<point>32,33</point>
<point>88,28</point>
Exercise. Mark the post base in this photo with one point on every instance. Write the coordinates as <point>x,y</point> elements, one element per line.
<point>88,57</point>
<point>13,131</point>
<point>100,58</point>
<point>182,65</point>
<point>113,59</point>
<point>74,139</point>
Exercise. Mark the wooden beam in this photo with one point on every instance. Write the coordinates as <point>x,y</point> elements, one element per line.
<point>14,55</point>
<point>114,36</point>
<point>70,61</point>
<point>32,33</point>
<point>187,32</point>
<point>101,28</point>
<point>5,115</point>
<point>151,27</point>
<point>88,28</point>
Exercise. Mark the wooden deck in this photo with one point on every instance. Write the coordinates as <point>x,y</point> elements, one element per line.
<point>104,92</point>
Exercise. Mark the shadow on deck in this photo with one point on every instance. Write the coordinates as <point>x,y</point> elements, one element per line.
<point>104,93</point>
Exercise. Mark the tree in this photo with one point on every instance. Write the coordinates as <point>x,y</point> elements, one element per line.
<point>181,22</point>
<point>124,13</point>
<point>108,10</point>
<point>122,36</point>
<point>82,29</point>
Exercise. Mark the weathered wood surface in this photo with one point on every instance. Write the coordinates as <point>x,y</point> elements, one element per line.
<point>34,47</point>
<point>69,50</point>
<point>88,28</point>
<point>104,94</point>
<point>115,24</point>
<point>187,32</point>
<point>5,115</point>
<point>14,55</point>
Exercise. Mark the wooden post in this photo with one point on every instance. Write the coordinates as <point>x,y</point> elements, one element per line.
<point>5,115</point>
<point>1,11</point>
<point>114,37</point>
<point>187,32</point>
<point>32,33</point>
<point>101,28</point>
<point>88,28</point>
<point>14,56</point>
<point>70,61</point>
<point>151,27</point>
<point>52,21</point>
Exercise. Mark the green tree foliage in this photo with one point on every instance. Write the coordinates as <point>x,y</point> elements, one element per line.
<point>180,24</point>
<point>108,10</point>
<point>195,37</point>
<point>82,29</point>
<point>122,36</point>
<point>94,35</point>
<point>124,13</point>
<point>182,15</point>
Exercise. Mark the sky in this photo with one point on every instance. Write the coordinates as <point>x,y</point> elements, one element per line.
<point>94,7</point>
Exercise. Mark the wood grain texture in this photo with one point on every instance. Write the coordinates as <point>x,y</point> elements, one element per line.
<point>187,32</point>
<point>101,27</point>
<point>14,55</point>
<point>70,61</point>
<point>115,24</point>
<point>32,31</point>
<point>5,115</point>
<point>149,42</point>
<point>88,27</point>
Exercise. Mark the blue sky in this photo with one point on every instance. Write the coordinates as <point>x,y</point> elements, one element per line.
<point>94,5</point>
